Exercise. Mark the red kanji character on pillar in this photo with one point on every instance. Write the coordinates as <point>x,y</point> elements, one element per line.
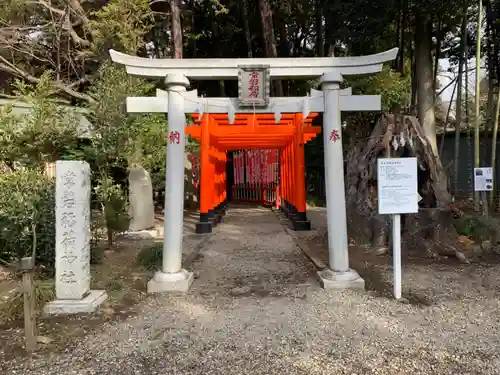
<point>174,137</point>
<point>334,136</point>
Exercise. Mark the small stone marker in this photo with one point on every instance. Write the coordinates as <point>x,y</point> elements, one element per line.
<point>73,241</point>
<point>140,199</point>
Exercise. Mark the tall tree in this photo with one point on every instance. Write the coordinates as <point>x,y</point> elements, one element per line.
<point>175,14</point>
<point>425,76</point>
<point>478,96</point>
<point>458,117</point>
<point>68,38</point>
<point>269,39</point>
<point>246,26</point>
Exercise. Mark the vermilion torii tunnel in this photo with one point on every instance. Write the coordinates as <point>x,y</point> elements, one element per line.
<point>258,177</point>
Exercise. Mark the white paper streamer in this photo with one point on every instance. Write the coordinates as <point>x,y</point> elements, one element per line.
<point>305,107</point>
<point>231,113</point>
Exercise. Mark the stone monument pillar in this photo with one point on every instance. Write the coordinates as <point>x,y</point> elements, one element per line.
<point>73,294</point>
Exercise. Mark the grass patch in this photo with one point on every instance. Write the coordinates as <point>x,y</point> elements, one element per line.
<point>96,254</point>
<point>316,202</point>
<point>114,285</point>
<point>13,306</point>
<point>478,228</point>
<point>151,257</point>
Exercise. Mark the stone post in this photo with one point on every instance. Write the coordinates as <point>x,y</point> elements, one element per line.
<point>172,277</point>
<point>338,275</point>
<point>73,294</point>
<point>141,208</point>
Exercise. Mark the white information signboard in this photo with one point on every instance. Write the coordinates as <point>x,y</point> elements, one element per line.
<point>483,179</point>
<point>397,186</point>
<point>397,194</point>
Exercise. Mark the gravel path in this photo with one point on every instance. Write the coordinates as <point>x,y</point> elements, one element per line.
<point>256,308</point>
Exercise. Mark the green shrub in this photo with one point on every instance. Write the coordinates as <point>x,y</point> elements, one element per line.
<point>27,201</point>
<point>113,201</point>
<point>151,257</point>
<point>96,254</point>
<point>480,228</point>
<point>316,202</point>
<point>13,307</point>
<point>114,285</point>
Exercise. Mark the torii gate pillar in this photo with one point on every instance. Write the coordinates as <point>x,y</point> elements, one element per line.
<point>338,275</point>
<point>172,277</point>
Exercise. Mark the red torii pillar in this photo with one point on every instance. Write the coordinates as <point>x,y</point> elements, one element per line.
<point>301,222</point>
<point>252,132</point>
<point>292,176</point>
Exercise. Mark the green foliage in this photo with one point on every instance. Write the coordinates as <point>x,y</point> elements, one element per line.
<point>150,149</point>
<point>96,254</point>
<point>114,205</point>
<point>120,138</point>
<point>316,202</point>
<point>42,131</point>
<point>114,285</point>
<point>96,225</point>
<point>12,9</point>
<point>478,228</point>
<point>13,306</point>
<point>121,24</point>
<point>114,130</point>
<point>394,88</point>
<point>151,257</point>
<point>27,201</point>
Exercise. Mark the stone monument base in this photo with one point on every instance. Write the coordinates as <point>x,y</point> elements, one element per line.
<point>87,304</point>
<point>170,282</point>
<point>335,280</point>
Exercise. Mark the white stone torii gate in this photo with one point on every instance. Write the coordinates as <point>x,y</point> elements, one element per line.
<point>331,100</point>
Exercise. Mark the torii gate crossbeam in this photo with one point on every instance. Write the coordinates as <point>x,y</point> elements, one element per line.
<point>280,68</point>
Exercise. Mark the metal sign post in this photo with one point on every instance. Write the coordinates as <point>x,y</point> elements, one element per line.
<point>397,194</point>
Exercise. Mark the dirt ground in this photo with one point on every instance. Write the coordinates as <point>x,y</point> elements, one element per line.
<point>256,307</point>
<point>426,281</point>
<point>118,273</point>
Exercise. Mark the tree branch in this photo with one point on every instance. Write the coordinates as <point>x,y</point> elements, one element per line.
<point>6,66</point>
<point>47,6</point>
<point>74,36</point>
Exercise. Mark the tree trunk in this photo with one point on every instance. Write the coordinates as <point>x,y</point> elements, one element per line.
<point>194,44</point>
<point>329,36</point>
<point>437,54</point>
<point>494,149</point>
<point>215,31</point>
<point>478,97</point>
<point>320,39</point>
<point>266,19</point>
<point>246,27</point>
<point>175,12</point>
<point>427,230</point>
<point>402,27</point>
<point>492,61</point>
<point>425,78</point>
<point>284,46</point>
<point>458,109</point>
<point>413,103</point>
